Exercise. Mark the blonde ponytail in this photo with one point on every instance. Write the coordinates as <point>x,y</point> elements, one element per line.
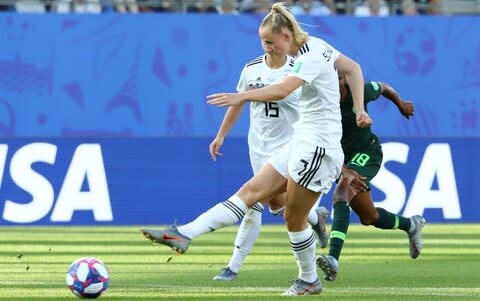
<point>280,17</point>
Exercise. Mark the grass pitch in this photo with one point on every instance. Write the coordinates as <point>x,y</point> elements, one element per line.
<point>375,265</point>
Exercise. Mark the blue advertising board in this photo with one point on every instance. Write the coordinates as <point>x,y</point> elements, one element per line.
<point>137,181</point>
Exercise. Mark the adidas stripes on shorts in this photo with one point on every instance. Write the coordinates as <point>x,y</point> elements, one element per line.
<point>313,167</point>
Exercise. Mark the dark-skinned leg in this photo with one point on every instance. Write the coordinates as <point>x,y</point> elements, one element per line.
<point>363,206</point>
<point>341,220</point>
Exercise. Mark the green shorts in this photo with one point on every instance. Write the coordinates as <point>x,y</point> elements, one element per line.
<point>366,162</point>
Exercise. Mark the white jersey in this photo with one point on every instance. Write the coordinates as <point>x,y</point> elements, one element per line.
<point>270,122</point>
<point>320,116</point>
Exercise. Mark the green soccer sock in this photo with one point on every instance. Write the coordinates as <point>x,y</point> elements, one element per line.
<point>388,220</point>
<point>338,233</point>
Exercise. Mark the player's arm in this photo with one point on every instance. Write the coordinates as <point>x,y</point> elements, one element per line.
<point>230,118</point>
<point>354,76</point>
<point>274,92</point>
<point>404,106</point>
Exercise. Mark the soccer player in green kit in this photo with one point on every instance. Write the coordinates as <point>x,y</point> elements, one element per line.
<point>363,155</point>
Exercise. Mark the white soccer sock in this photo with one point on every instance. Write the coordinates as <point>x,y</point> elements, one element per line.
<point>246,236</point>
<point>312,216</point>
<point>277,211</point>
<point>303,248</point>
<point>223,214</point>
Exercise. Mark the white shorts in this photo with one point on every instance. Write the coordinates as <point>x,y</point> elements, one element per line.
<point>313,167</point>
<point>257,160</point>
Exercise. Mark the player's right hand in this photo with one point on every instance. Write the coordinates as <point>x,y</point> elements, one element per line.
<point>363,120</point>
<point>215,148</point>
<point>225,99</point>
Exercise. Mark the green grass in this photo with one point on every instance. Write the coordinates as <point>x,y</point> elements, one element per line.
<point>374,266</point>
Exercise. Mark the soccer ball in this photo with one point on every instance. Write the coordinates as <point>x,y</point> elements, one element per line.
<point>87,277</point>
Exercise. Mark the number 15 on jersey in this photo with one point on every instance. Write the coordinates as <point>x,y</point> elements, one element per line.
<point>271,109</point>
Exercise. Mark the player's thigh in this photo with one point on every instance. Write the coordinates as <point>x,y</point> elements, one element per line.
<point>266,184</point>
<point>300,199</point>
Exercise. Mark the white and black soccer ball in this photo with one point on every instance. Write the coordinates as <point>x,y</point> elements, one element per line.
<point>87,277</point>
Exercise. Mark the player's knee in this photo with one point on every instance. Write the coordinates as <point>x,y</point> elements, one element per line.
<point>249,193</point>
<point>293,220</point>
<point>340,194</point>
<point>341,191</point>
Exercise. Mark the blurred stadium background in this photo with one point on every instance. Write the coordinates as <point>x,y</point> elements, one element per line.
<point>310,7</point>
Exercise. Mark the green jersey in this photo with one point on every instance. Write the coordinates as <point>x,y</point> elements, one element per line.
<point>354,138</point>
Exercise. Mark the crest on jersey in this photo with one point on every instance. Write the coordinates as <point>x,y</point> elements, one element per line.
<point>297,66</point>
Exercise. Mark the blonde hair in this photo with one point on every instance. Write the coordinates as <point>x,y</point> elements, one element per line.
<point>280,17</point>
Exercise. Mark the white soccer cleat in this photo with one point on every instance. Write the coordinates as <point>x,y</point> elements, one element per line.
<point>320,227</point>
<point>329,265</point>
<point>415,238</point>
<point>169,237</point>
<point>226,275</point>
<point>302,288</point>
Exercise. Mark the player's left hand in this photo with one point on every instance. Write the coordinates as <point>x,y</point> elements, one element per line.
<point>214,148</point>
<point>406,108</point>
<point>224,99</point>
<point>363,120</point>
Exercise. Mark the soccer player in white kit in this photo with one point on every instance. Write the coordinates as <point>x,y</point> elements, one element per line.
<point>271,127</point>
<point>305,167</point>
<point>313,159</point>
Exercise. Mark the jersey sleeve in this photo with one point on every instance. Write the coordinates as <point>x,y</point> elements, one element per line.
<point>242,84</point>
<point>372,91</point>
<point>315,62</point>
